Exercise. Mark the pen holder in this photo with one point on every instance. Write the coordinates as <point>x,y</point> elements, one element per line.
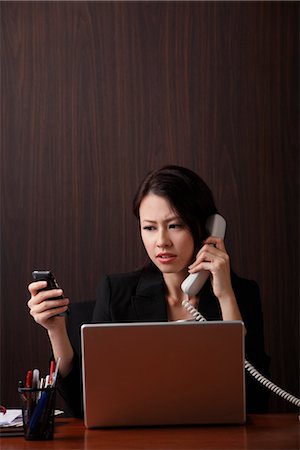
<point>38,406</point>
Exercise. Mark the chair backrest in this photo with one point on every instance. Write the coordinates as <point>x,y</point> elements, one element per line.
<point>79,313</point>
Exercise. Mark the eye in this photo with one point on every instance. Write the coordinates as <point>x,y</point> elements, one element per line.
<point>175,225</point>
<point>149,228</point>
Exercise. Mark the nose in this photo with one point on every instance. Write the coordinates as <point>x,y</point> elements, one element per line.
<point>163,239</point>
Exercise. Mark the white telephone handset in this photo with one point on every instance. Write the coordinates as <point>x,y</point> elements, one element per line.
<point>216,226</point>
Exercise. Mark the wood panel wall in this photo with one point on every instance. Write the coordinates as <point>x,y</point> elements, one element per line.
<point>95,94</point>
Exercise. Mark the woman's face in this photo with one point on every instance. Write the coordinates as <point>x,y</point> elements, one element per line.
<point>167,240</point>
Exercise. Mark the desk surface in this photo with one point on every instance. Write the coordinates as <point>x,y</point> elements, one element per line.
<point>269,431</point>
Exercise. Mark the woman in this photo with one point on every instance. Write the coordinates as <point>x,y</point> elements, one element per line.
<point>172,205</point>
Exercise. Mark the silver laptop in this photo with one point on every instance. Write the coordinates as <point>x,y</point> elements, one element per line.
<point>163,373</point>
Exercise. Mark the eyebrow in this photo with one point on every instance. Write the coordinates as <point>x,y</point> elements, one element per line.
<point>166,220</point>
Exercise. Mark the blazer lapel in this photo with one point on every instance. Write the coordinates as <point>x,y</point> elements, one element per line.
<point>149,302</point>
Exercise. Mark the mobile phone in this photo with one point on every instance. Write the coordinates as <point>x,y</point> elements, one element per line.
<point>47,275</point>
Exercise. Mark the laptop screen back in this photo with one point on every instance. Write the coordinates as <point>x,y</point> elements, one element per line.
<point>168,373</point>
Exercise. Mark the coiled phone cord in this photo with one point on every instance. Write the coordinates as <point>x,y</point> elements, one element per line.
<point>251,369</point>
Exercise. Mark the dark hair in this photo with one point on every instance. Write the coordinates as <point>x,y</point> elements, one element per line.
<point>187,193</point>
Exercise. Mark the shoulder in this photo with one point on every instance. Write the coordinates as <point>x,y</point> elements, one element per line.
<point>116,293</point>
<point>248,298</point>
<point>243,286</point>
<point>121,278</point>
<point>115,289</point>
<point>120,282</point>
<point>246,291</point>
<point>131,280</point>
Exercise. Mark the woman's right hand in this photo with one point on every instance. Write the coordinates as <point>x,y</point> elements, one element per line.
<point>44,309</point>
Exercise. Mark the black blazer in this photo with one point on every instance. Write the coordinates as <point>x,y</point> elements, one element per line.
<point>140,296</point>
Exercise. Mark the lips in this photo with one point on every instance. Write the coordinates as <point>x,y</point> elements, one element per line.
<point>166,258</point>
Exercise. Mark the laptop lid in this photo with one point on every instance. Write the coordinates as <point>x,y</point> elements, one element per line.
<point>163,373</point>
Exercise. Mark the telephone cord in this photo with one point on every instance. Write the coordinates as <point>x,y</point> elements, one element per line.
<point>251,369</point>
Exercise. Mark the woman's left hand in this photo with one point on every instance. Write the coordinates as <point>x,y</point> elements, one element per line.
<point>214,258</point>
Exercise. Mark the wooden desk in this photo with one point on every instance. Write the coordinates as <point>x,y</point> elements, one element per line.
<point>272,431</point>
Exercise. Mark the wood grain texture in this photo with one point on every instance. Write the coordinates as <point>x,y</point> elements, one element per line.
<point>272,431</point>
<point>94,95</point>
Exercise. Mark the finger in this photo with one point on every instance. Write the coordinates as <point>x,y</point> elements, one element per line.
<point>205,265</point>
<point>48,304</point>
<point>51,293</point>
<point>49,314</point>
<point>215,257</point>
<point>215,241</point>
<point>206,253</point>
<point>45,310</point>
<point>43,296</point>
<point>211,243</point>
<point>36,286</point>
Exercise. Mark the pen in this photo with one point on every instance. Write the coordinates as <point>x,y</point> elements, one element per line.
<point>21,386</point>
<point>38,411</point>
<point>52,370</point>
<point>35,378</point>
<point>28,382</point>
<point>56,372</point>
<point>41,386</point>
<point>46,381</point>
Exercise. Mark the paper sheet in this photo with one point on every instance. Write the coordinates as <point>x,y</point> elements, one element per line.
<point>12,417</point>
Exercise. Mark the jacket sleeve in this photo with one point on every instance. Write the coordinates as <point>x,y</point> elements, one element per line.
<point>70,387</point>
<point>248,298</point>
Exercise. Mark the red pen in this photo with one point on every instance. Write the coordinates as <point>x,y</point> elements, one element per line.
<point>52,370</point>
<point>28,382</point>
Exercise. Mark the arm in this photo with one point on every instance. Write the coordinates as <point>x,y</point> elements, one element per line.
<point>70,387</point>
<point>44,310</point>
<point>64,335</point>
